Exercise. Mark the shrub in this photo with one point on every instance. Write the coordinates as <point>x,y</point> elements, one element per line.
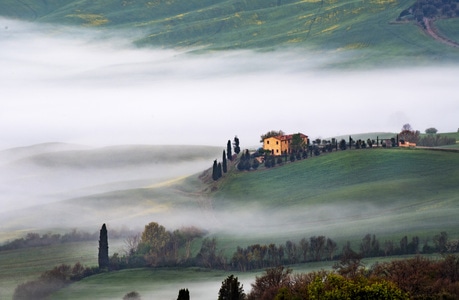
<point>132,296</point>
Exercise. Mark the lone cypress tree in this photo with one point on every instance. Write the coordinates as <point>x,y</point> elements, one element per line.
<point>103,248</point>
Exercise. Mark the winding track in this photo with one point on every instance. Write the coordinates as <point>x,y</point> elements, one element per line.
<point>433,32</point>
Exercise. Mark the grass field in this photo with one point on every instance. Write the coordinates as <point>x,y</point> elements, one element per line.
<point>343,195</point>
<point>165,283</point>
<point>350,193</point>
<point>358,32</point>
<point>18,266</point>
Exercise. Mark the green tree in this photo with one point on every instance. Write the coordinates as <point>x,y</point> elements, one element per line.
<point>132,296</point>
<point>215,170</point>
<point>335,286</point>
<point>103,248</point>
<point>267,286</point>
<point>231,289</point>
<point>297,143</point>
<point>153,242</point>
<point>342,144</point>
<point>228,151</point>
<point>271,134</point>
<point>255,164</point>
<point>207,255</point>
<point>431,130</point>
<point>183,294</point>
<point>237,148</point>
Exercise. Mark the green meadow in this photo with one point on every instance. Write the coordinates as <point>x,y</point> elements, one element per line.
<point>343,195</point>
<point>361,33</point>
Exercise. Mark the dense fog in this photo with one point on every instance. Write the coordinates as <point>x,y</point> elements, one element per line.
<point>92,88</point>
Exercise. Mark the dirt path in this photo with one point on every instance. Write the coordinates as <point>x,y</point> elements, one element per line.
<point>433,32</point>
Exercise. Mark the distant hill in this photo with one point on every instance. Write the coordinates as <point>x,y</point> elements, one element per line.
<point>364,31</point>
<point>46,175</point>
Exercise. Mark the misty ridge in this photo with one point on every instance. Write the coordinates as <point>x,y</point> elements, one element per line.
<point>48,173</point>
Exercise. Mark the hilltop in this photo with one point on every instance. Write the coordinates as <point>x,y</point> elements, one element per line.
<point>363,31</point>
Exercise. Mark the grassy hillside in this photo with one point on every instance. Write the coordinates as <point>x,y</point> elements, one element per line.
<point>362,30</point>
<point>343,195</point>
<point>347,194</point>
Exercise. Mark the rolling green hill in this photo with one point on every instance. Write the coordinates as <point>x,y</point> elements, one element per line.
<point>349,193</point>
<point>364,31</point>
<point>342,195</point>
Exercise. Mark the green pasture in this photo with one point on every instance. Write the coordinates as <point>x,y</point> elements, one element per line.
<point>343,195</point>
<point>448,28</point>
<point>389,192</point>
<point>378,176</point>
<point>360,33</point>
<point>165,283</point>
<point>19,266</point>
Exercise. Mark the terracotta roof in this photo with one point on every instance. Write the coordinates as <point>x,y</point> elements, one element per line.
<point>288,136</point>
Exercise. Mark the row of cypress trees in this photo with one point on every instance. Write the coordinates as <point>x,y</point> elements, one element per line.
<point>219,168</point>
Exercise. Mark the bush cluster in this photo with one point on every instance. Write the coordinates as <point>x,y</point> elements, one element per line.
<point>52,281</point>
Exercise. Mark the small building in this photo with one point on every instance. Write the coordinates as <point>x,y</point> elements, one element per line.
<point>405,144</point>
<point>280,144</point>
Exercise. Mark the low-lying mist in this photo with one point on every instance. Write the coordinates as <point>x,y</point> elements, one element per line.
<point>90,87</point>
<point>31,178</point>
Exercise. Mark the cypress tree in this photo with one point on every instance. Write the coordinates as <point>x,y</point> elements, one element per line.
<point>237,149</point>
<point>229,154</point>
<point>224,164</point>
<point>214,171</point>
<point>184,294</point>
<point>103,248</point>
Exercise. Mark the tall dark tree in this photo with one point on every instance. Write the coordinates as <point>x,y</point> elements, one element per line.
<point>103,248</point>
<point>224,163</point>
<point>229,154</point>
<point>231,289</point>
<point>183,294</point>
<point>215,171</point>
<point>237,148</point>
<point>342,144</point>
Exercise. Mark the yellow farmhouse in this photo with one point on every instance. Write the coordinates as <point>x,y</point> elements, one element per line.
<point>280,144</point>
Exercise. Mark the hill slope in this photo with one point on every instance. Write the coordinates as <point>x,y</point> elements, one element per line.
<point>359,26</point>
<point>349,193</point>
<point>344,195</point>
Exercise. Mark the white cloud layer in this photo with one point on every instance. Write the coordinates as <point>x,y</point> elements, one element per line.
<point>75,86</point>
